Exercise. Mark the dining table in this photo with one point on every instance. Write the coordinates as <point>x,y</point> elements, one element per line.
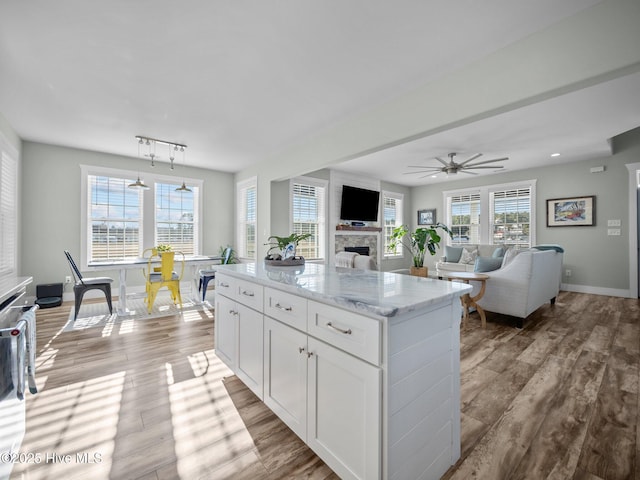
<point>124,265</point>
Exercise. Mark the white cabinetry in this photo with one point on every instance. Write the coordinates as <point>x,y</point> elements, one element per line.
<point>329,398</point>
<point>239,331</point>
<point>285,374</point>
<point>376,397</point>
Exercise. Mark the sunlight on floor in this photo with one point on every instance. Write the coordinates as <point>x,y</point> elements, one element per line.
<point>202,413</point>
<point>90,410</point>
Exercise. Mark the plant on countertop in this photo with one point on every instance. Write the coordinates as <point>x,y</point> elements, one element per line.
<point>420,241</point>
<point>277,245</point>
<point>164,247</point>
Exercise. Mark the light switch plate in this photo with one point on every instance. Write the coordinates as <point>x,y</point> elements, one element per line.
<point>613,231</point>
<point>613,223</point>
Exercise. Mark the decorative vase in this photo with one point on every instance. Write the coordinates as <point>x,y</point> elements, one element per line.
<point>419,271</point>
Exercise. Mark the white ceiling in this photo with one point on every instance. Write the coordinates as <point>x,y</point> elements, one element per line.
<point>240,81</point>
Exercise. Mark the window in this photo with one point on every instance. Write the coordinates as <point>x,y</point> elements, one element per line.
<point>8,212</point>
<point>115,216</point>
<point>392,217</point>
<point>121,222</point>
<point>464,219</point>
<point>510,217</point>
<point>308,213</point>
<point>511,212</point>
<point>247,192</point>
<point>175,218</point>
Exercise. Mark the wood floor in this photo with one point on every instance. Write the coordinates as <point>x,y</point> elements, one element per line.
<point>150,400</point>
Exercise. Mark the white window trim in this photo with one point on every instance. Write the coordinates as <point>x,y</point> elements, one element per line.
<point>485,210</point>
<point>240,186</point>
<point>148,204</point>
<point>316,182</point>
<point>396,196</point>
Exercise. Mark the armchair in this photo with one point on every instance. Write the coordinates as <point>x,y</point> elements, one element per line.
<point>530,279</point>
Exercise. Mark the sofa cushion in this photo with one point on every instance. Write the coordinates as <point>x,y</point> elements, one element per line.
<point>498,253</point>
<point>487,264</point>
<point>468,256</point>
<point>452,254</point>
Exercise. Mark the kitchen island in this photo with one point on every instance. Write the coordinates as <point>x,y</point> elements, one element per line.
<point>363,366</point>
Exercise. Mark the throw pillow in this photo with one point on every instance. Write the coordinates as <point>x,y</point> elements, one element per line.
<point>487,264</point>
<point>498,252</point>
<point>509,255</point>
<point>468,257</point>
<point>452,254</point>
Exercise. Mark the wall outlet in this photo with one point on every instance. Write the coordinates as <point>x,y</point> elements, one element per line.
<point>567,273</point>
<point>67,279</point>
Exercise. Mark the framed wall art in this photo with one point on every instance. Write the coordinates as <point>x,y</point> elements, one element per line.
<point>571,212</point>
<point>427,217</point>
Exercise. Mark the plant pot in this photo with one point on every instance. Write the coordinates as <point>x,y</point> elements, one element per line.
<point>419,271</point>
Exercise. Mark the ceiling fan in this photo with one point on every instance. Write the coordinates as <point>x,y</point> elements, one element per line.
<point>452,168</point>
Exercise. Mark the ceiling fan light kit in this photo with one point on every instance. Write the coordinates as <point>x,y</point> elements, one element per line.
<point>452,168</point>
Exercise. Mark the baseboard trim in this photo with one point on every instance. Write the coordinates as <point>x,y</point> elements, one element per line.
<point>609,292</point>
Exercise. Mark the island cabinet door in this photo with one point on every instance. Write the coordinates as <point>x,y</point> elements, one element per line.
<point>285,374</point>
<point>344,413</point>
<point>226,331</point>
<point>250,344</point>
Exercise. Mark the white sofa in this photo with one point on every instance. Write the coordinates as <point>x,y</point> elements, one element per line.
<point>527,281</point>
<point>446,265</point>
<point>355,260</point>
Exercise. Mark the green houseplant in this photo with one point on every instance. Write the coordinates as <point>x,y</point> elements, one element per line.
<point>278,247</point>
<point>418,242</point>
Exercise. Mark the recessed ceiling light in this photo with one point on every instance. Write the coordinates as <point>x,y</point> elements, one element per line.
<point>555,154</point>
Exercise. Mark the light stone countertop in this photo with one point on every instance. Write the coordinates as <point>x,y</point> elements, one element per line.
<point>367,292</point>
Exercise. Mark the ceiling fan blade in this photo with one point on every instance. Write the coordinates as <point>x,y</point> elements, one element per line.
<point>446,164</point>
<point>489,161</point>
<point>486,166</point>
<point>471,159</point>
<point>424,166</point>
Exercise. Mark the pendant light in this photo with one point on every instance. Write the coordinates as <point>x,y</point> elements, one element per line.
<point>139,183</point>
<point>183,188</point>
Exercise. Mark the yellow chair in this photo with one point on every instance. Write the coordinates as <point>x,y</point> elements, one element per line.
<point>162,276</point>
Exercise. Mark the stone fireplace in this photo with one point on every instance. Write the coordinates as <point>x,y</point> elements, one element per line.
<point>362,240</point>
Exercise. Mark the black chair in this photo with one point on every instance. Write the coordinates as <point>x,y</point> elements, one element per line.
<point>207,275</point>
<point>83,284</point>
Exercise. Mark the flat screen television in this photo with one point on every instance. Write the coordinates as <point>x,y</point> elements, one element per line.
<point>359,204</point>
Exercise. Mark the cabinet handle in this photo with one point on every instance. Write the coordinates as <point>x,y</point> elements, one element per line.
<point>346,332</point>
<point>309,354</point>
<point>285,309</point>
<point>301,349</point>
<point>233,312</point>
<point>222,284</point>
<point>248,294</point>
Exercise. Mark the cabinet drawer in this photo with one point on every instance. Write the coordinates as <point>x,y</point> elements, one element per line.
<point>249,294</point>
<point>353,333</point>
<point>226,286</point>
<point>287,308</point>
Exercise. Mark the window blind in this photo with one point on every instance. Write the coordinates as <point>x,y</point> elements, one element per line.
<point>8,214</point>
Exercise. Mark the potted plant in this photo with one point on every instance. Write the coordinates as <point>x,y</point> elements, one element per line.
<point>418,242</point>
<point>282,250</point>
